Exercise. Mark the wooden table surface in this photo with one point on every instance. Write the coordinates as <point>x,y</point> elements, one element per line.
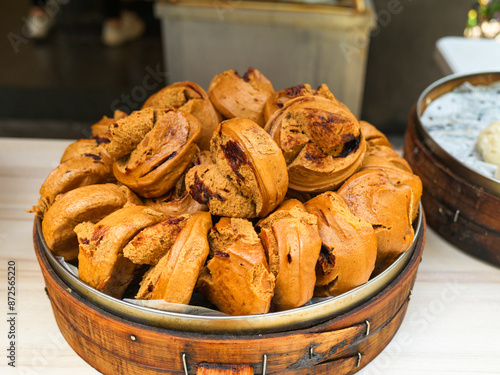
<point>452,325</point>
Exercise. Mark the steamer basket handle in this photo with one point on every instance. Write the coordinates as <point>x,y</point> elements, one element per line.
<point>343,366</point>
<point>224,369</point>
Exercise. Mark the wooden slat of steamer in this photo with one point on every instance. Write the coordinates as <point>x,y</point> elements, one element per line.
<point>117,346</point>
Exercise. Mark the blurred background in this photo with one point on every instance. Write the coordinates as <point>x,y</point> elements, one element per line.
<point>58,87</point>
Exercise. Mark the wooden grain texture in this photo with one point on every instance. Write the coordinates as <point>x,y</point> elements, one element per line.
<point>113,345</point>
<point>463,213</point>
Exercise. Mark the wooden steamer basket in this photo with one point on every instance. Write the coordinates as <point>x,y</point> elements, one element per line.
<point>300,341</point>
<point>461,205</point>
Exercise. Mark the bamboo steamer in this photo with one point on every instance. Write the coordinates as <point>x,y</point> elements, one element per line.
<point>342,344</point>
<point>461,205</point>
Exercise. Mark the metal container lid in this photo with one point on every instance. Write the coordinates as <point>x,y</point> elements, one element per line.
<point>336,7</point>
<point>433,92</point>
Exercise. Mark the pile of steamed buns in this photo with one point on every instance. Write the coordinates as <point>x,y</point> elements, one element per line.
<point>257,199</point>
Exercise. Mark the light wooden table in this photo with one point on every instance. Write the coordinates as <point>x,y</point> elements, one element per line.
<point>452,325</point>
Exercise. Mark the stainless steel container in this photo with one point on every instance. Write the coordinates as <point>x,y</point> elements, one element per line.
<point>291,42</point>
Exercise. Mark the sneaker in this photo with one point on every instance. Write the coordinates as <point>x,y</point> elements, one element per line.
<point>38,25</point>
<point>130,27</point>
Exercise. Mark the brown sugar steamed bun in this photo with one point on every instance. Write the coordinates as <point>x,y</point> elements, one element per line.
<point>249,176</point>
<point>89,168</point>
<point>321,141</point>
<point>174,277</point>
<point>163,154</point>
<point>292,243</point>
<point>236,278</point>
<point>101,127</point>
<point>86,203</point>
<point>101,263</point>
<point>278,99</point>
<point>397,172</point>
<point>349,246</point>
<point>190,98</point>
<point>371,195</point>
<point>241,96</point>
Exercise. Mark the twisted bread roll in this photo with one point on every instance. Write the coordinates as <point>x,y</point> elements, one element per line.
<point>87,169</point>
<point>292,243</point>
<point>349,246</point>
<point>174,276</point>
<point>190,98</point>
<point>236,96</point>
<point>101,263</point>
<point>87,203</point>
<point>279,98</point>
<point>163,154</point>
<point>236,278</point>
<point>153,242</point>
<point>321,141</point>
<point>249,177</point>
<point>371,195</point>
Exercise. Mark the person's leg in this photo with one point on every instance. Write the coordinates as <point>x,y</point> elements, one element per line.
<point>120,26</point>
<point>39,21</point>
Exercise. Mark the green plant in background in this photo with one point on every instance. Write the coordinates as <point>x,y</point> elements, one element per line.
<point>483,19</point>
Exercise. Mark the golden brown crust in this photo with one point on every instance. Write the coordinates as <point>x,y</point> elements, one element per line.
<point>174,277</point>
<point>81,147</point>
<point>249,167</point>
<point>236,96</point>
<point>101,263</point>
<point>162,156</point>
<point>321,142</point>
<point>237,278</point>
<point>395,169</point>
<point>87,203</point>
<point>292,243</point>
<point>100,128</point>
<point>83,170</point>
<point>349,246</point>
<point>278,99</point>
<point>371,195</point>
<point>389,154</point>
<point>153,242</point>
<point>190,98</point>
